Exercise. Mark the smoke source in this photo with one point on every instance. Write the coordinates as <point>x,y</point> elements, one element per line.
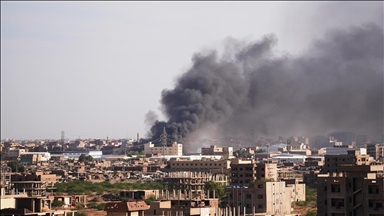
<point>336,85</point>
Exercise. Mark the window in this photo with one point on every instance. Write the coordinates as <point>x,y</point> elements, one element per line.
<point>260,186</point>
<point>260,206</point>
<point>260,196</point>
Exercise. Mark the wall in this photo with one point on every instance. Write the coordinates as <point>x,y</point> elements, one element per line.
<point>7,203</point>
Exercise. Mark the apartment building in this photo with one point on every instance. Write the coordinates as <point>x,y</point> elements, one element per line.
<point>376,151</point>
<point>243,172</point>
<point>213,166</point>
<point>192,181</point>
<point>126,208</point>
<point>357,190</point>
<point>265,198</point>
<point>30,184</point>
<point>138,194</point>
<point>215,150</point>
<point>353,156</point>
<point>184,207</point>
<point>12,153</point>
<point>174,149</point>
<point>266,171</point>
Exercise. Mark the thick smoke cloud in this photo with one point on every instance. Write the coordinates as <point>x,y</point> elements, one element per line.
<point>336,85</point>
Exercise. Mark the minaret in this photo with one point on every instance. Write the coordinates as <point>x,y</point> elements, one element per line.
<point>163,138</point>
<point>138,137</point>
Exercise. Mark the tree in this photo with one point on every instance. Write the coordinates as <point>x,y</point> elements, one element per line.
<point>101,206</point>
<point>57,203</point>
<point>16,166</point>
<point>217,187</point>
<point>150,199</point>
<point>85,158</point>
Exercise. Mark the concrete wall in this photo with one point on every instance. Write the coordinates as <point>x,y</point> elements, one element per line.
<point>7,203</point>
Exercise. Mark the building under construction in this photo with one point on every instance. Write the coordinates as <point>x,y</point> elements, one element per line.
<point>193,182</point>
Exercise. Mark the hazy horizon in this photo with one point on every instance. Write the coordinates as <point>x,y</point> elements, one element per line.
<point>95,69</point>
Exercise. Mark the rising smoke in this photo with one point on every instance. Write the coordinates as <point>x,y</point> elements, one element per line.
<point>336,85</point>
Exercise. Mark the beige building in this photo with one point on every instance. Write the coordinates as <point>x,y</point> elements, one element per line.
<point>126,208</point>
<point>244,172</point>
<point>12,153</point>
<point>265,198</point>
<point>266,171</point>
<point>357,190</point>
<point>192,181</point>
<point>332,162</point>
<point>213,166</point>
<point>138,194</point>
<point>215,150</point>
<point>376,151</point>
<point>176,149</point>
<point>184,207</point>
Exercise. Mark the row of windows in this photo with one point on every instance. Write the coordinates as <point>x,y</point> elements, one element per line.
<point>188,164</point>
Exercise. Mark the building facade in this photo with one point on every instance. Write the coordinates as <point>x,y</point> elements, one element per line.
<point>174,149</point>
<point>355,191</point>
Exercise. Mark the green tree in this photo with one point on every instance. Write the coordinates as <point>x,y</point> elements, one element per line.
<point>150,199</point>
<point>92,205</point>
<point>311,213</point>
<point>16,166</point>
<point>57,203</point>
<point>85,158</point>
<point>217,187</point>
<point>101,206</point>
<point>80,214</point>
<point>80,206</point>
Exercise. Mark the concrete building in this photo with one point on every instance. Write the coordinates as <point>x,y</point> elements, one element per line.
<point>40,156</point>
<point>11,153</point>
<point>265,198</point>
<point>174,149</point>
<point>355,190</point>
<point>184,207</point>
<point>205,165</point>
<point>266,171</point>
<point>126,208</point>
<point>138,194</point>
<point>376,151</point>
<point>215,150</point>
<point>243,172</point>
<point>288,158</point>
<point>353,156</point>
<point>192,181</point>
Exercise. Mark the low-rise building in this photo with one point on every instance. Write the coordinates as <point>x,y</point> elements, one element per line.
<point>216,150</point>
<point>126,208</point>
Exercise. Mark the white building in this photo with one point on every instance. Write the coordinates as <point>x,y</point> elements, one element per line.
<point>76,154</point>
<point>44,156</point>
<point>176,149</point>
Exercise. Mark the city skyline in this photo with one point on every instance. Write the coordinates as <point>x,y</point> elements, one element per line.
<point>94,69</point>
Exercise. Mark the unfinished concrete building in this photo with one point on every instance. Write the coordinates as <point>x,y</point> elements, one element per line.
<point>192,181</point>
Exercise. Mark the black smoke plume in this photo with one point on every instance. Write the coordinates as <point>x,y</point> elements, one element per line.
<point>336,85</point>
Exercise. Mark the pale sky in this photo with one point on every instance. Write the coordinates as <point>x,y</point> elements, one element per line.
<point>94,69</point>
